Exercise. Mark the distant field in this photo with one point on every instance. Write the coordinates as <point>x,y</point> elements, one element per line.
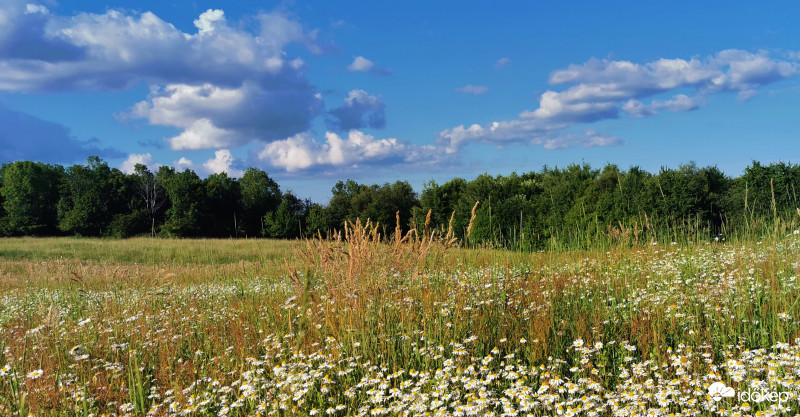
<point>146,250</point>
<point>43,261</point>
<point>261,327</point>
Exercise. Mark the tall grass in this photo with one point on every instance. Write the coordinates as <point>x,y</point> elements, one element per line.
<point>591,233</point>
<point>249,327</point>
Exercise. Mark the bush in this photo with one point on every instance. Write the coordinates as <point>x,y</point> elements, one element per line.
<point>129,224</point>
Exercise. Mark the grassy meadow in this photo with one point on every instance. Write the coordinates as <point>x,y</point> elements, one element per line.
<point>412,326</point>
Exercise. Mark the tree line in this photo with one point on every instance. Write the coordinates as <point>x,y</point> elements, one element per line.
<point>575,205</point>
<point>38,199</point>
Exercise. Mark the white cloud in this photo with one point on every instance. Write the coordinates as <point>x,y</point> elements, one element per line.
<point>678,103</point>
<point>361,64</point>
<point>502,63</point>
<point>221,86</point>
<point>473,89</point>
<point>117,49</point>
<point>601,89</point>
<point>201,134</point>
<point>215,117</point>
<point>360,110</point>
<point>208,20</point>
<point>277,31</point>
<point>222,161</point>
<point>183,163</point>
<point>23,44</point>
<point>302,152</point>
<point>524,130</point>
<point>129,165</point>
<point>35,8</point>
<point>748,71</point>
<point>728,70</point>
<point>588,139</point>
<point>568,106</point>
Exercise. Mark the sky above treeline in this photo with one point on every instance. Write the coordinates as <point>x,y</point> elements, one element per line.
<point>316,92</point>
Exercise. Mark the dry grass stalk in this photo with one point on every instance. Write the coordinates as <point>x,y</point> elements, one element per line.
<point>427,224</point>
<point>360,266</point>
<point>472,218</point>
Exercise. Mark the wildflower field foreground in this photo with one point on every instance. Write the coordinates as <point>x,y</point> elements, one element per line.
<point>359,326</point>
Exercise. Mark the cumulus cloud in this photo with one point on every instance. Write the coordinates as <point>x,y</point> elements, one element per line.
<point>525,130</point>
<point>129,165</point>
<point>183,163</point>
<point>502,63</point>
<point>22,41</point>
<point>117,49</point>
<point>209,20</point>
<point>473,89</point>
<point>587,139</point>
<point>211,116</point>
<point>222,161</point>
<point>678,103</point>
<point>729,70</point>
<point>302,152</point>
<point>361,64</point>
<point>360,110</point>
<point>26,137</point>
<point>221,86</point>
<point>603,89</point>
<point>498,133</point>
<point>36,8</point>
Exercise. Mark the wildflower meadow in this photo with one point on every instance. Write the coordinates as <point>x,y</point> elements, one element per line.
<point>357,324</point>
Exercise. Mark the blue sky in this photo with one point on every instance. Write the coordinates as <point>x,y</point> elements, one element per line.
<point>315,92</point>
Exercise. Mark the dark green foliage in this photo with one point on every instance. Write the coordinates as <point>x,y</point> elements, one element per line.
<point>317,222</point>
<point>352,201</point>
<point>30,192</point>
<point>389,199</point>
<point>341,206</point>
<point>151,193</point>
<point>579,206</point>
<point>287,220</point>
<point>91,195</point>
<point>441,200</point>
<point>260,194</point>
<point>185,193</point>
<point>222,209</point>
<point>129,224</point>
<point>570,207</point>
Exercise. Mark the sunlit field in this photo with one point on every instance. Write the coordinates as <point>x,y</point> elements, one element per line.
<point>361,326</point>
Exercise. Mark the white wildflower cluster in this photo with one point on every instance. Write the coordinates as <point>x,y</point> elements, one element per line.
<point>567,338</point>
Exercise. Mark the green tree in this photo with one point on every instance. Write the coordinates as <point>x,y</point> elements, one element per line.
<point>185,193</point>
<point>352,201</point>
<point>317,220</point>
<point>442,201</point>
<point>151,191</point>
<point>633,196</point>
<point>129,213</point>
<point>260,195</point>
<point>30,191</point>
<point>88,199</point>
<point>222,208</point>
<point>340,207</point>
<point>387,201</point>
<point>286,222</point>
<point>3,218</point>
